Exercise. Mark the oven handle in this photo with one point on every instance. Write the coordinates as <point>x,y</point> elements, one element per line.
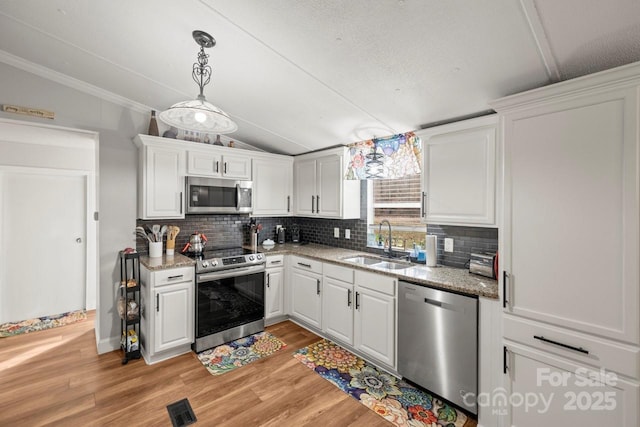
<point>233,272</point>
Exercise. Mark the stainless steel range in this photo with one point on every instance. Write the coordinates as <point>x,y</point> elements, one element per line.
<point>229,295</point>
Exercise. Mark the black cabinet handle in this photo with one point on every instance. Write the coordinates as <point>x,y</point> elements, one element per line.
<point>158,302</point>
<point>348,297</point>
<point>275,262</point>
<point>357,300</point>
<point>181,203</point>
<point>217,166</point>
<point>313,200</point>
<point>175,277</point>
<point>288,203</point>
<point>304,265</point>
<point>317,204</point>
<point>423,206</point>
<point>225,168</point>
<point>504,288</point>
<point>570,347</point>
<point>505,354</point>
<point>317,286</point>
<point>268,275</point>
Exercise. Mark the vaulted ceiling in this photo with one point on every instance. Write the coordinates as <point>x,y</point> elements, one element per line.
<point>300,75</point>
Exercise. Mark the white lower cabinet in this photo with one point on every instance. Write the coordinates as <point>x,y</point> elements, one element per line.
<point>167,323</point>
<point>543,389</point>
<point>337,303</point>
<point>274,288</point>
<point>306,291</point>
<point>375,316</point>
<point>359,309</point>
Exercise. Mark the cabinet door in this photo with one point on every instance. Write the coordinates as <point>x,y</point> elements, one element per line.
<point>545,390</point>
<point>569,167</point>
<point>203,164</point>
<point>174,316</point>
<point>375,325</point>
<point>274,292</point>
<point>238,167</point>
<point>459,179</point>
<point>337,306</point>
<point>306,298</point>
<point>163,192</point>
<point>272,187</point>
<point>329,186</point>
<point>304,178</point>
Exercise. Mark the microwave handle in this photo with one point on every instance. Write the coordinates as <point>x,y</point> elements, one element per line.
<point>237,196</point>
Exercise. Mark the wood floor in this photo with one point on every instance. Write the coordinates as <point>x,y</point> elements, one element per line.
<point>55,377</point>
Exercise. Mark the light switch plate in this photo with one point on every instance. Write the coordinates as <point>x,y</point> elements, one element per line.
<point>347,233</point>
<point>336,232</point>
<point>448,244</point>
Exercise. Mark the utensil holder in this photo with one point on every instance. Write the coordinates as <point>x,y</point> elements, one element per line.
<point>155,249</point>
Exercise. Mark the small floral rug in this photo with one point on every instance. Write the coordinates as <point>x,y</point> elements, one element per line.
<point>232,355</point>
<point>41,323</point>
<point>395,400</point>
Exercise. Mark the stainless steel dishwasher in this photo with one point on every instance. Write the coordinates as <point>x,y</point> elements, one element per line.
<point>438,342</point>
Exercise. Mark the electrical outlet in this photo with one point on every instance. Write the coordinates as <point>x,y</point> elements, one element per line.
<point>347,233</point>
<point>278,227</point>
<point>336,232</point>
<point>448,244</point>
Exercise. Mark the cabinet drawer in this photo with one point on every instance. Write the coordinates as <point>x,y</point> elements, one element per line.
<point>343,274</point>
<point>173,275</point>
<point>612,356</point>
<point>376,282</point>
<point>275,261</point>
<point>306,264</point>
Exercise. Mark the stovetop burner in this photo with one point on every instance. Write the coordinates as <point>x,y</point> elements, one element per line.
<point>214,259</point>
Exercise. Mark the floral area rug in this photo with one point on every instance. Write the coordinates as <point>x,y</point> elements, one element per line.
<point>395,400</point>
<point>41,323</point>
<point>232,355</point>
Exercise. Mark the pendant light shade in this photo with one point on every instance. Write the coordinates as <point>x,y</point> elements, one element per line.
<point>199,114</point>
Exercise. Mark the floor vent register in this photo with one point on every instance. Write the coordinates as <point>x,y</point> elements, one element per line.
<point>181,413</point>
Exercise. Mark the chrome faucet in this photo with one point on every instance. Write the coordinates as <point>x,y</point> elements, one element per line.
<point>389,252</point>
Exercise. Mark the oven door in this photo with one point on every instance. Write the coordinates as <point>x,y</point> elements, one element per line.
<point>229,305</point>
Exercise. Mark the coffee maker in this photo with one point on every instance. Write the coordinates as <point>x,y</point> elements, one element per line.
<point>295,233</point>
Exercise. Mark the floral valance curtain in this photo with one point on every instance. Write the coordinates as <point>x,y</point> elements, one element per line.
<point>392,157</point>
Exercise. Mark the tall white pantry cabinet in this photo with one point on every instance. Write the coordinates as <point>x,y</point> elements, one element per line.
<point>570,252</point>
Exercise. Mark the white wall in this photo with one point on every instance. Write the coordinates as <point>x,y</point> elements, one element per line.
<point>117,170</point>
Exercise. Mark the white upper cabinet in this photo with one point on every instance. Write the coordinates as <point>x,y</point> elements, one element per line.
<point>459,173</point>
<point>212,163</point>
<point>320,188</point>
<point>160,179</point>
<point>272,186</point>
<point>571,210</point>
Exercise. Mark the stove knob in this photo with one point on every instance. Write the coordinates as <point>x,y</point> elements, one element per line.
<point>214,263</point>
<point>250,257</point>
<point>259,256</point>
<point>205,264</point>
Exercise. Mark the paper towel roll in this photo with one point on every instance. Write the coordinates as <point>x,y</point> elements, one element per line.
<point>432,250</point>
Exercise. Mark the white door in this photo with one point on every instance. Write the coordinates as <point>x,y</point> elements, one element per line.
<point>304,181</point>
<point>375,325</point>
<point>274,294</point>
<point>337,305</point>
<point>236,167</point>
<point>174,314</point>
<point>42,244</point>
<point>329,197</point>
<point>306,300</point>
<point>272,187</point>
<point>559,392</point>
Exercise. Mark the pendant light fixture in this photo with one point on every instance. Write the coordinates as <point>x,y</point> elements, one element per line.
<point>199,114</point>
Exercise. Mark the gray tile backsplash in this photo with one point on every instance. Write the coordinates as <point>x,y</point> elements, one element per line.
<point>233,230</point>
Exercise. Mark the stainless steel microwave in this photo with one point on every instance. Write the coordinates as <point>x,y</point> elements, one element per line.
<point>215,195</point>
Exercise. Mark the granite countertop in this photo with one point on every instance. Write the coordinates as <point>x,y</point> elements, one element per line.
<point>175,261</point>
<point>441,277</point>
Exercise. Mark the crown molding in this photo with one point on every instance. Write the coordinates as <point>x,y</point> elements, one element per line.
<point>79,85</point>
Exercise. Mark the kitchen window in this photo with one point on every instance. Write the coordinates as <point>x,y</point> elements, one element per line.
<point>397,200</point>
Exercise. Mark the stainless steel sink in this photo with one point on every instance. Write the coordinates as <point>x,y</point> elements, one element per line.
<point>362,260</point>
<point>387,265</point>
